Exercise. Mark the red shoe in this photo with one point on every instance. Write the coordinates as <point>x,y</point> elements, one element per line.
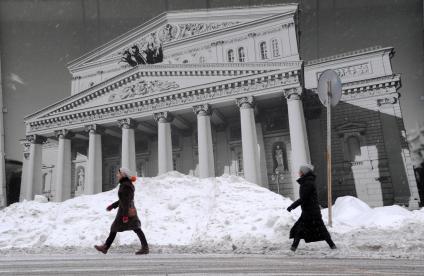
<point>102,248</point>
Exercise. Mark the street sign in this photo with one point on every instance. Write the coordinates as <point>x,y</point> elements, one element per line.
<point>330,93</point>
<point>336,87</point>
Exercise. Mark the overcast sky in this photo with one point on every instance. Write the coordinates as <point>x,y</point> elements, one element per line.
<point>38,39</point>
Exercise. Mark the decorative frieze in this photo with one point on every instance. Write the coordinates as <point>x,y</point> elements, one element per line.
<point>143,88</point>
<point>352,71</point>
<point>202,110</point>
<point>163,117</point>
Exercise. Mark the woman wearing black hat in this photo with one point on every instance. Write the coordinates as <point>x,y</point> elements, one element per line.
<point>309,226</point>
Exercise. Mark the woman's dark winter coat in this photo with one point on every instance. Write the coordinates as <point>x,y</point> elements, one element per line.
<point>309,226</point>
<point>126,201</point>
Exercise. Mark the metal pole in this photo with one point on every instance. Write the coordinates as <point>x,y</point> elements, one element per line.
<point>330,201</point>
<point>3,196</point>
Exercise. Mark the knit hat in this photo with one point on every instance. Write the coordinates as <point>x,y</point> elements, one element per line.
<point>125,172</point>
<point>305,168</point>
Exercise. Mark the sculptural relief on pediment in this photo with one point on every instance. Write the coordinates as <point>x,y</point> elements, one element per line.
<point>148,49</point>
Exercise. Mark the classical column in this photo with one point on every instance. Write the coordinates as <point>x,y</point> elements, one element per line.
<point>249,140</point>
<point>298,136</point>
<point>94,181</point>
<point>33,175</point>
<point>128,144</point>
<point>262,157</point>
<point>63,166</point>
<point>204,140</point>
<point>164,120</point>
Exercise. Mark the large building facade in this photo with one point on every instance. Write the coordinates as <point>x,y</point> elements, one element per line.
<point>215,92</point>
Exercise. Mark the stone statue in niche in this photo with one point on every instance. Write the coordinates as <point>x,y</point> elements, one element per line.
<point>280,159</point>
<point>278,155</point>
<point>80,181</point>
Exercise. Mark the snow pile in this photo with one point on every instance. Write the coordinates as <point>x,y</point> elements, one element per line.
<point>350,213</point>
<point>223,214</point>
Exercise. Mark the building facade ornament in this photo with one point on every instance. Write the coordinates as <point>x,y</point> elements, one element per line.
<point>163,117</point>
<point>94,128</point>
<point>36,139</point>
<point>293,93</point>
<point>143,88</point>
<point>386,101</point>
<point>202,109</point>
<point>127,123</point>
<point>63,134</point>
<point>246,102</point>
<point>352,71</point>
<point>141,106</point>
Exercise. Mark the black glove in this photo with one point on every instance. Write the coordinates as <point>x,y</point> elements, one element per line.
<point>289,208</point>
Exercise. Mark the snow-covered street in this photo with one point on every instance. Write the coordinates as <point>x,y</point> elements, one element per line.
<point>185,214</point>
<point>187,264</point>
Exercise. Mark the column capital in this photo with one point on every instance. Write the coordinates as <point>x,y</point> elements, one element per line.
<point>251,34</point>
<point>202,110</point>
<point>127,123</point>
<point>36,139</point>
<point>94,128</point>
<point>293,93</point>
<point>246,102</point>
<point>63,134</point>
<point>163,117</point>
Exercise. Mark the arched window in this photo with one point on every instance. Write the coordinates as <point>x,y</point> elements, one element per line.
<point>202,59</point>
<point>275,48</point>
<point>241,54</point>
<point>230,55</point>
<point>354,147</point>
<point>185,61</point>
<point>264,51</point>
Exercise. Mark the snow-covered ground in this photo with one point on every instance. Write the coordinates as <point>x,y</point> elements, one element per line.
<point>181,213</point>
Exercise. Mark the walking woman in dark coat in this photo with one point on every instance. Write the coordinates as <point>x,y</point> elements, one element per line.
<point>126,218</point>
<point>309,226</point>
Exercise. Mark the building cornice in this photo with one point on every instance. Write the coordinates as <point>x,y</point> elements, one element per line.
<point>370,87</point>
<point>360,52</point>
<point>161,70</point>
<point>268,82</point>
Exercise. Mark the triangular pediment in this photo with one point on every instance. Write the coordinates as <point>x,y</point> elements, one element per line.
<point>157,81</point>
<point>175,26</point>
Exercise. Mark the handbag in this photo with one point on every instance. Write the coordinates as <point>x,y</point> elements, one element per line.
<point>132,211</point>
